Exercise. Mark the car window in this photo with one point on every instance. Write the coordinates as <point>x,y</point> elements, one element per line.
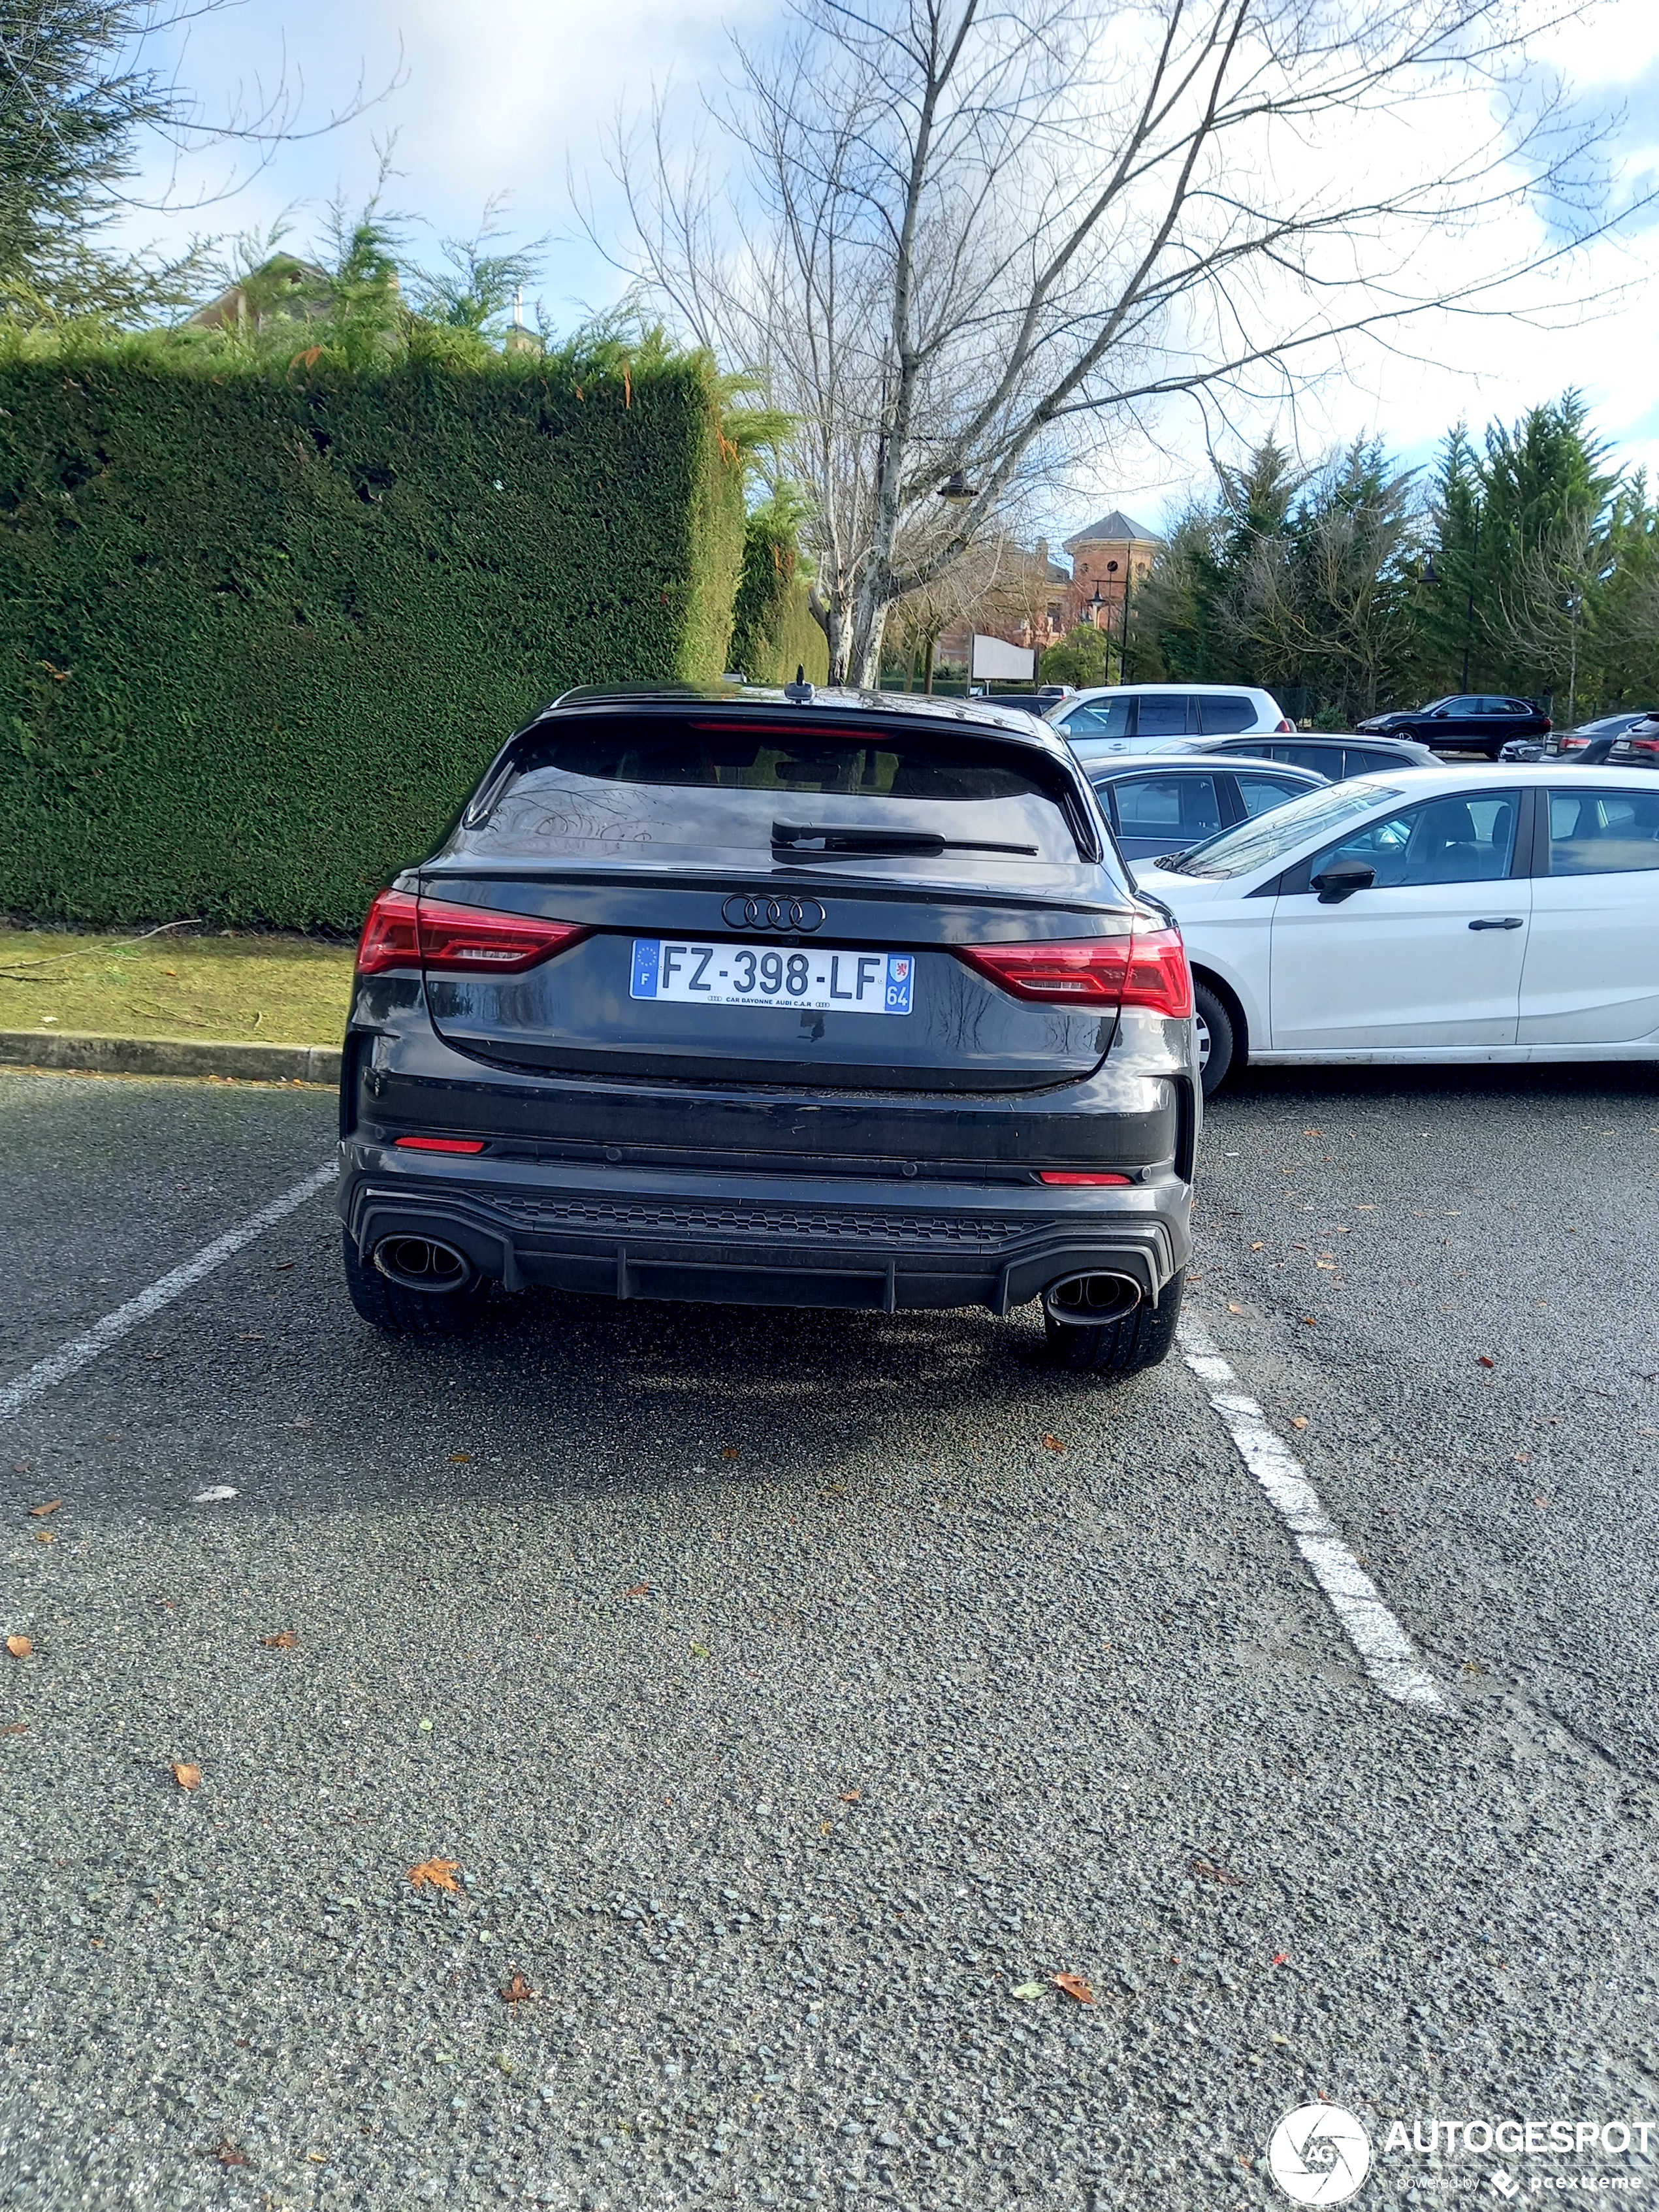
<point>1185,807</point>
<point>1162,715</point>
<point>1366,760</point>
<point>1261,792</point>
<point>1218,717</point>
<point>1096,717</point>
<point>1326,760</point>
<point>1449,841</point>
<point>1258,844</point>
<point>1603,833</point>
<point>614,782</point>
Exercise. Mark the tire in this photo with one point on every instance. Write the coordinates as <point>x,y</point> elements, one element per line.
<point>1217,1043</point>
<point>1140,1341</point>
<point>401,1311</point>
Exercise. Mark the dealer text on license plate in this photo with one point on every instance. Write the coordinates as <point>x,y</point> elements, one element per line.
<point>819,980</point>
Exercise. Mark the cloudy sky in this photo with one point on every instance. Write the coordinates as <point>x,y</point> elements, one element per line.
<point>515,96</point>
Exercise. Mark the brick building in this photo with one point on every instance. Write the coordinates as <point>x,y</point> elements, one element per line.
<point>1109,557</point>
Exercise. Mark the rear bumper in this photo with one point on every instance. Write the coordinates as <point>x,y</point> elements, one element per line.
<point>766,1240</point>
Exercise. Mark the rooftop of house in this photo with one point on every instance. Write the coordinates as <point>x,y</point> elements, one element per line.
<point>1114,529</point>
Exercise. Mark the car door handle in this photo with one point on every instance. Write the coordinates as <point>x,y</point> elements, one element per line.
<point>1508,921</point>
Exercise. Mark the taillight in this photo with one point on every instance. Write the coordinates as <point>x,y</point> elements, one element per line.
<point>1055,1174</point>
<point>390,938</point>
<point>456,937</point>
<point>440,1143</point>
<point>1574,744</point>
<point>405,931</point>
<point>1284,728</point>
<point>1148,968</point>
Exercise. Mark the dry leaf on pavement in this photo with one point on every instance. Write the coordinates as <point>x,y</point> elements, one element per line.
<point>1028,1992</point>
<point>518,1991</point>
<point>849,1797</point>
<point>1053,1444</point>
<point>19,1646</point>
<point>436,1874</point>
<point>728,1451</point>
<point>1298,1420</point>
<point>1075,1986</point>
<point>186,1775</point>
<point>1235,1309</point>
<point>227,2154</point>
<point>46,1535</point>
<point>1485,1360</point>
<point>637,1589</point>
<point>50,1506</point>
<point>283,1641</point>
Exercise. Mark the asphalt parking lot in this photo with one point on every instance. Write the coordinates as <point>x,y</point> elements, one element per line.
<point>790,1697</point>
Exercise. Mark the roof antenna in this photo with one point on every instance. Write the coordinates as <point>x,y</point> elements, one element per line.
<point>800,693</point>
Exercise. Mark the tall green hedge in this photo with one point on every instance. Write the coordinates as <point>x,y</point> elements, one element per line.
<point>772,630</point>
<point>260,628</point>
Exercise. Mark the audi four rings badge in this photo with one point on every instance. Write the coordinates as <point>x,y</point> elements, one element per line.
<point>772,913</point>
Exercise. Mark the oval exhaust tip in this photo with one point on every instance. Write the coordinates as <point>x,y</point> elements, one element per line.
<point>421,1263</point>
<point>1083,1300</point>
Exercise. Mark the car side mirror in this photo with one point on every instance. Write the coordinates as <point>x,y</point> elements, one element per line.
<point>1342,880</point>
<point>1440,714</point>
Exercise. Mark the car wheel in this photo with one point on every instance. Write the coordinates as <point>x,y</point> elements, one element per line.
<point>1137,1341</point>
<point>1214,1025</point>
<point>401,1310</point>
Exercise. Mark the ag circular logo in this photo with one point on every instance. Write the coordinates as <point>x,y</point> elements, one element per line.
<point>805,915</point>
<point>1319,2154</point>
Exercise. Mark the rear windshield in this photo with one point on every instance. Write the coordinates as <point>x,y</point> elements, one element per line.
<point>805,793</point>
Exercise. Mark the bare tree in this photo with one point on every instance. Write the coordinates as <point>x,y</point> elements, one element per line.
<point>1548,610</point>
<point>965,240</point>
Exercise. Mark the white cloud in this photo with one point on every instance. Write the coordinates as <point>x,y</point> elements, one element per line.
<point>511,93</point>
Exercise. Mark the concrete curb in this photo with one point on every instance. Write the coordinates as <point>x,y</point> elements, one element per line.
<point>121,1055</point>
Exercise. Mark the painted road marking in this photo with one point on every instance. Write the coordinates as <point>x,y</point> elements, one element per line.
<point>81,1351</point>
<point>1388,1654</point>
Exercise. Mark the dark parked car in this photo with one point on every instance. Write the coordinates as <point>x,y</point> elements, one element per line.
<point>1589,743</point>
<point>835,1000</point>
<point>1160,805</point>
<point>1472,722</point>
<point>1332,759</point>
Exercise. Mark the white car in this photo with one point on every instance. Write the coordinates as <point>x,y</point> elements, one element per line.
<point>1142,718</point>
<point>1436,914</point>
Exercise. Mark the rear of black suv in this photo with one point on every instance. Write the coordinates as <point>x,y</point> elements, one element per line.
<point>840,1003</point>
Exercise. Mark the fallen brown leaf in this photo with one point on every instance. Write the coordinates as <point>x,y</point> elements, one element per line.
<point>1207,1870</point>
<point>436,1874</point>
<point>728,1451</point>
<point>1485,1360</point>
<point>517,1991</point>
<point>227,2154</point>
<point>19,1646</point>
<point>15,1728</point>
<point>1053,1444</point>
<point>850,1796</point>
<point>1238,1309</point>
<point>459,1459</point>
<point>637,1589</point>
<point>187,1777</point>
<point>1298,1420</point>
<point>1308,1321</point>
<point>1075,1986</point>
<point>283,1641</point>
<point>1258,1246</point>
<point>50,1506</point>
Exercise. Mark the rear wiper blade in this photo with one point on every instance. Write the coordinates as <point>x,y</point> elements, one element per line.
<point>818,840</point>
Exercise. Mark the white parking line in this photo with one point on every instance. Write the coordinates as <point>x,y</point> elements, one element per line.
<point>1387,1652</point>
<point>81,1351</point>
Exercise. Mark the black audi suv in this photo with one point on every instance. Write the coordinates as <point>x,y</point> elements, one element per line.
<point>811,999</point>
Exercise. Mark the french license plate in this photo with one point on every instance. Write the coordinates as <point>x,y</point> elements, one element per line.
<point>772,975</point>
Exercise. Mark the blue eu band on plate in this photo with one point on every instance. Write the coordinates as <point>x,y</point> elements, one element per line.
<point>821,980</point>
